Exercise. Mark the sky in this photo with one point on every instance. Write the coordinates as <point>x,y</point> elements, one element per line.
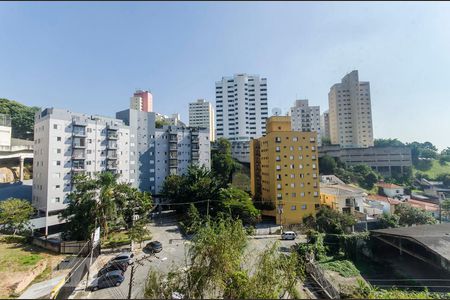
<point>90,56</point>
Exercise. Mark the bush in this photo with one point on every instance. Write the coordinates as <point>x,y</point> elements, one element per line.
<point>342,266</point>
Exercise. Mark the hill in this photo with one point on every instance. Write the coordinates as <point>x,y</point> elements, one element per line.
<point>432,168</point>
<point>22,118</point>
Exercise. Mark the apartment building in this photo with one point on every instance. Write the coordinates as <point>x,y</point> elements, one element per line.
<point>66,144</point>
<point>5,132</point>
<point>142,152</point>
<point>350,113</point>
<point>142,101</point>
<point>325,125</point>
<point>201,114</point>
<point>156,153</point>
<point>241,110</point>
<point>284,171</point>
<point>177,147</point>
<point>306,118</point>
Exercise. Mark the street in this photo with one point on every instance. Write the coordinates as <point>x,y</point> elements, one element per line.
<point>172,255</point>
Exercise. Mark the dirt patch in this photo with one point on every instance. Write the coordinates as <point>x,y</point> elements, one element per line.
<point>345,285</point>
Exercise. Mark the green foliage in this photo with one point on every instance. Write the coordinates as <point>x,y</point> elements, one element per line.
<point>328,220</point>
<point>30,260</point>
<point>22,118</point>
<point>387,143</point>
<point>388,221</point>
<point>365,176</point>
<point>445,178</point>
<point>103,200</point>
<point>15,213</point>
<point>193,221</point>
<point>342,266</point>
<point>215,270</point>
<point>222,163</point>
<point>239,205</point>
<point>327,165</point>
<point>139,232</point>
<point>161,123</point>
<point>326,141</point>
<point>409,215</point>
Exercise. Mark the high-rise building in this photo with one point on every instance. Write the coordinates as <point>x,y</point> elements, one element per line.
<point>156,153</point>
<point>5,132</point>
<point>66,144</point>
<point>306,118</point>
<point>325,125</point>
<point>142,101</point>
<point>241,111</point>
<point>201,114</point>
<point>350,112</point>
<point>284,172</point>
<point>178,147</point>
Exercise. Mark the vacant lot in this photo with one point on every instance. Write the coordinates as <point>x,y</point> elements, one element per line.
<point>22,263</point>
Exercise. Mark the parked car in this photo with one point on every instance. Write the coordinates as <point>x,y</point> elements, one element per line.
<point>124,257</point>
<point>288,235</point>
<point>117,266</point>
<point>110,279</point>
<point>153,247</point>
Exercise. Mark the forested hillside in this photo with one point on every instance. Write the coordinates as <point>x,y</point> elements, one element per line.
<point>22,118</point>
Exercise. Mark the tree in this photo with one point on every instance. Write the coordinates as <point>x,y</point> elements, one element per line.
<point>139,232</point>
<point>388,221</point>
<point>215,271</point>
<point>239,205</point>
<point>192,221</point>
<point>102,200</point>
<point>328,220</point>
<point>327,165</point>
<point>409,215</point>
<point>445,178</point>
<point>15,213</point>
<point>388,143</point>
<point>222,163</point>
<point>22,118</point>
<point>365,176</point>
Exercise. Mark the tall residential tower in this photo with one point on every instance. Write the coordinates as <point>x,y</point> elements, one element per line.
<point>142,101</point>
<point>201,114</point>
<point>350,113</point>
<point>306,118</point>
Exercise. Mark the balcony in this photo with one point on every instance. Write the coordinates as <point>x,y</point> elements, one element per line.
<point>111,155</point>
<point>78,165</point>
<point>173,147</point>
<point>79,143</point>
<point>112,134</point>
<point>111,166</point>
<point>78,155</point>
<point>79,131</point>
<point>111,145</point>
<point>173,163</point>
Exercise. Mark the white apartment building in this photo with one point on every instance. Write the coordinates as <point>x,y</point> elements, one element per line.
<point>178,147</point>
<point>306,118</point>
<point>5,132</point>
<point>325,124</point>
<point>201,114</point>
<point>66,144</point>
<point>350,112</point>
<point>142,101</point>
<point>241,111</point>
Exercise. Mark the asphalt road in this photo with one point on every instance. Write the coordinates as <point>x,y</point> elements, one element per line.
<point>172,256</point>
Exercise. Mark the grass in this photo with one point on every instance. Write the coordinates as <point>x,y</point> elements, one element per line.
<point>433,169</point>
<point>344,267</point>
<point>17,256</point>
<point>116,239</point>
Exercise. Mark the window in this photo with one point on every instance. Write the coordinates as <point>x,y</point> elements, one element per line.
<point>58,139</point>
<point>303,206</point>
<point>302,194</point>
<point>55,126</point>
<point>294,139</point>
<point>278,167</point>
<point>277,158</point>
<point>57,186</point>
<point>292,175</point>
<point>291,148</point>
<point>278,186</point>
<point>293,207</point>
<point>279,196</point>
<point>300,148</point>
<point>277,149</point>
<point>300,166</point>
<point>294,195</point>
<point>58,151</point>
<point>292,185</point>
<point>291,157</point>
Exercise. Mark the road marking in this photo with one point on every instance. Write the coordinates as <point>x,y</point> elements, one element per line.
<point>164,258</point>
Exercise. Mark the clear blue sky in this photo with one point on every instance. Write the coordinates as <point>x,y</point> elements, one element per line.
<point>89,57</point>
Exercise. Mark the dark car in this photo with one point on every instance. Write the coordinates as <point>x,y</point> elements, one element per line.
<point>110,279</point>
<point>117,266</point>
<point>124,257</point>
<point>153,247</point>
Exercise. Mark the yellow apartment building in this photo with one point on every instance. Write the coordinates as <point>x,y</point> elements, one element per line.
<point>284,171</point>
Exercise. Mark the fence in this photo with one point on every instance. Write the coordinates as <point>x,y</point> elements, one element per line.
<point>319,276</point>
<point>78,271</point>
<point>68,247</point>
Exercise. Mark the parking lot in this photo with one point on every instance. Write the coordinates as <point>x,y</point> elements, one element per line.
<point>172,255</point>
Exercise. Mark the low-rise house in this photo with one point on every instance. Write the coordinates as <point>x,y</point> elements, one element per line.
<point>390,189</point>
<point>386,204</point>
<point>433,208</point>
<point>340,196</point>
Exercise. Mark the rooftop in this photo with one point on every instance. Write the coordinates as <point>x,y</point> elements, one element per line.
<point>435,237</point>
<point>386,185</point>
<point>384,199</point>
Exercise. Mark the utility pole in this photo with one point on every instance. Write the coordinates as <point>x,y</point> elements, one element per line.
<point>133,269</point>
<point>207,210</point>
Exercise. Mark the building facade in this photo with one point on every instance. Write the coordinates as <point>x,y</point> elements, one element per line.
<point>241,111</point>
<point>142,101</point>
<point>325,125</point>
<point>306,118</point>
<point>201,114</point>
<point>5,132</point>
<point>178,147</point>
<point>66,144</point>
<point>284,171</point>
<point>384,160</point>
<point>350,113</point>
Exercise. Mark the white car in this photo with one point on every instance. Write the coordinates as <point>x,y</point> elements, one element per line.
<point>288,235</point>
